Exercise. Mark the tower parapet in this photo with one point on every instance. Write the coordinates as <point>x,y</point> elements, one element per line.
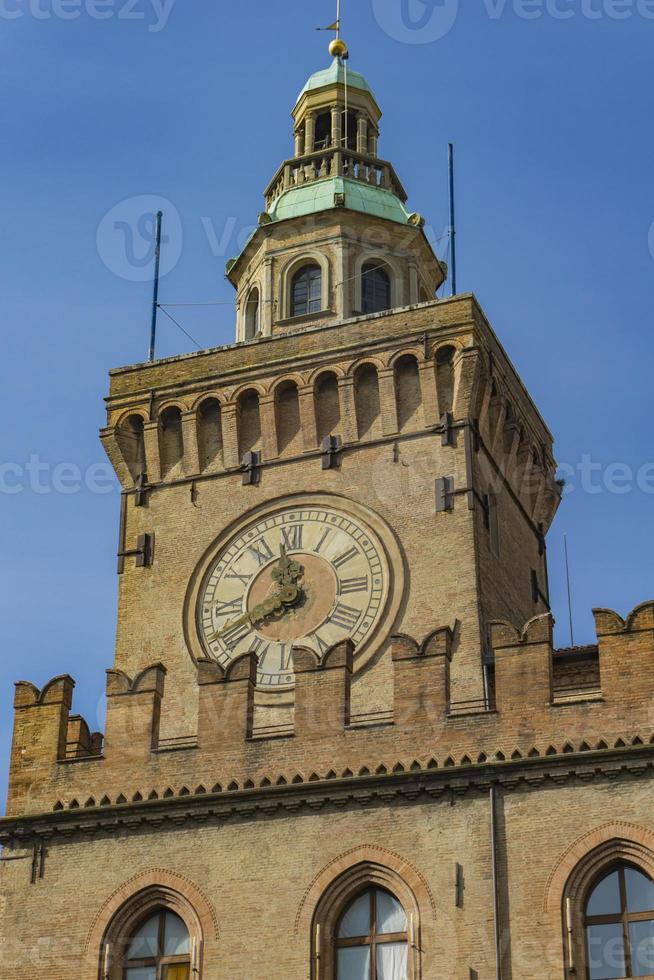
<point>524,722</point>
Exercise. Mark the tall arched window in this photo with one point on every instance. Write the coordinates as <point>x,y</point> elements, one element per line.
<point>372,941</point>
<point>375,288</point>
<point>619,923</point>
<point>160,949</point>
<point>252,315</point>
<point>306,291</point>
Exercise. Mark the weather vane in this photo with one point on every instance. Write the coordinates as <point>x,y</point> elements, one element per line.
<point>338,48</point>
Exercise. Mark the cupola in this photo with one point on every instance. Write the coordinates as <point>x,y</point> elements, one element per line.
<point>336,239</point>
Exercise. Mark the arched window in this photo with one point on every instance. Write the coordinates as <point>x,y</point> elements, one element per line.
<point>129,436</point>
<point>619,924</point>
<point>372,941</point>
<point>375,288</point>
<point>252,315</point>
<point>160,949</point>
<point>306,291</point>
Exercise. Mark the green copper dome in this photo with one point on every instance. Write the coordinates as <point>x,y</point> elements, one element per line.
<point>320,195</point>
<point>335,75</point>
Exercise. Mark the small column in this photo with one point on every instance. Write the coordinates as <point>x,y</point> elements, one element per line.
<point>266,301</point>
<point>388,402</point>
<point>190,440</point>
<point>428,393</point>
<point>373,143</point>
<point>152,456</point>
<point>268,427</point>
<point>299,142</point>
<point>337,126</point>
<point>413,283</point>
<point>310,138</point>
<point>229,426</point>
<point>348,409</point>
<point>362,133</point>
<point>308,417</point>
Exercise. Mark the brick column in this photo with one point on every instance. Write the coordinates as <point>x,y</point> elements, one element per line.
<point>152,454</point>
<point>387,401</point>
<point>428,392</point>
<point>268,427</point>
<point>348,409</point>
<point>190,440</point>
<point>308,417</point>
<point>229,426</point>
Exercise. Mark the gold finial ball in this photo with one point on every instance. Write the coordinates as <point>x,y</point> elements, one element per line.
<point>338,48</point>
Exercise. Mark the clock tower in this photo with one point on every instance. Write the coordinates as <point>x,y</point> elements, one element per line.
<point>330,737</point>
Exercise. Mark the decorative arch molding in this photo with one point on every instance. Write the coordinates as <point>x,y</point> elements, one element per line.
<point>243,305</point>
<point>414,352</point>
<point>129,414</point>
<point>166,406</point>
<point>347,873</point>
<point>377,362</point>
<point>309,257</point>
<point>323,370</point>
<point>208,396</point>
<point>141,894</point>
<point>396,275</point>
<point>580,868</point>
<point>255,386</point>
<point>287,379</point>
<point>613,841</point>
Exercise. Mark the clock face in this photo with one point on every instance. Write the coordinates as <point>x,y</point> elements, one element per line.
<point>308,577</point>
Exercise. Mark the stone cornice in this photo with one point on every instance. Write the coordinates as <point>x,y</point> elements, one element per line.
<point>356,791</point>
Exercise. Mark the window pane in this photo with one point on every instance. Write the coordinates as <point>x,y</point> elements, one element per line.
<point>606,952</point>
<point>392,961</point>
<point>640,892</point>
<point>354,963</point>
<point>145,942</point>
<point>390,914</point>
<point>356,921</point>
<point>641,935</point>
<point>605,900</point>
<point>142,973</point>
<point>177,972</point>
<point>176,941</point>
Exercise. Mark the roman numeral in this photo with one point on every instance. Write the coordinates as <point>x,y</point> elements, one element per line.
<point>345,616</point>
<point>243,579</point>
<point>293,536</point>
<point>318,547</point>
<point>229,608</point>
<point>285,655</point>
<point>233,637</point>
<point>261,648</point>
<point>345,558</point>
<point>350,585</point>
<point>261,551</point>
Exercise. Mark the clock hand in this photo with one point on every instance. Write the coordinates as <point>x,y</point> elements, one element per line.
<point>286,597</point>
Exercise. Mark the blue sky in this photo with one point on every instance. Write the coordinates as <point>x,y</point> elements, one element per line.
<point>550,106</point>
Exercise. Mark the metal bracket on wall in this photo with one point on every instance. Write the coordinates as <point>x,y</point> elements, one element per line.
<point>447,437</point>
<point>251,466</point>
<point>141,488</point>
<point>444,494</point>
<point>331,452</point>
<point>143,553</point>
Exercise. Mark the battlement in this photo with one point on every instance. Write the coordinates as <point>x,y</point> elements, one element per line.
<point>532,711</point>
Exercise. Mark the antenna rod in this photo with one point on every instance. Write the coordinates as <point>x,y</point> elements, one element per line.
<point>338,19</point>
<point>452,219</point>
<point>567,574</point>
<point>155,299</point>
